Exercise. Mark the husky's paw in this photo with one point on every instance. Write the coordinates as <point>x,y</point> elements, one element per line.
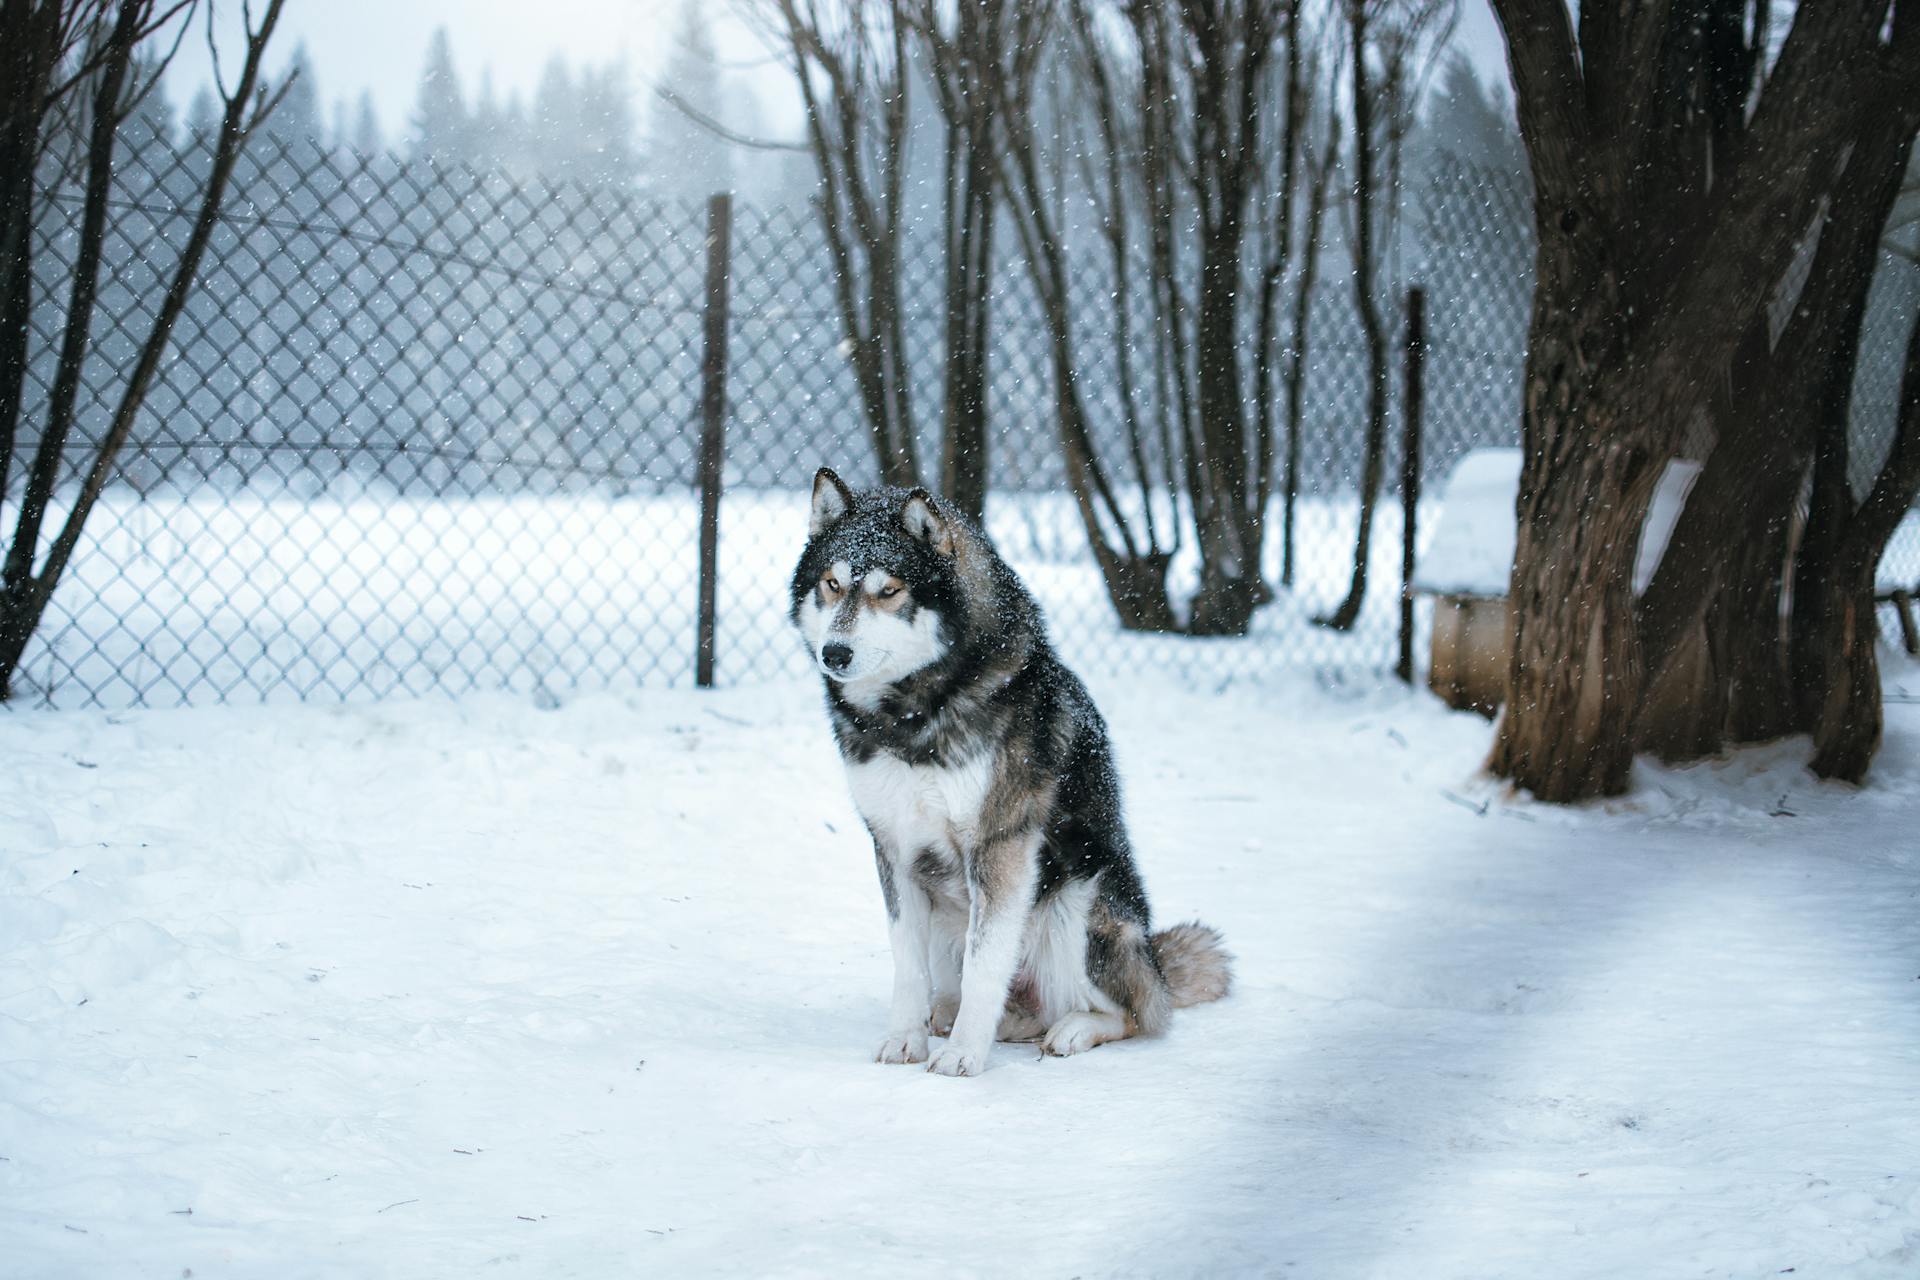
<point>953,1062</point>
<point>1077,1033</point>
<point>945,1010</point>
<point>911,1047</point>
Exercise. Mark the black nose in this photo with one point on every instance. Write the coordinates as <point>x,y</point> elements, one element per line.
<point>838,657</point>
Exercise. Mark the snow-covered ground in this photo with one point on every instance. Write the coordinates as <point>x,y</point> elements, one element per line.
<point>353,594</point>
<point>458,988</point>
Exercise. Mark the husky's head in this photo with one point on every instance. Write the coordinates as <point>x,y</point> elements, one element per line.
<point>876,587</point>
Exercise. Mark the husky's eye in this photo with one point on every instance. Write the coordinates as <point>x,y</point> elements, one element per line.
<point>889,591</point>
<point>832,585</point>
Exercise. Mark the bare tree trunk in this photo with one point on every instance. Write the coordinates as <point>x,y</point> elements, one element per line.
<point>26,593</point>
<point>1115,222</point>
<point>964,457</point>
<point>1280,256</point>
<point>1373,458</point>
<point>1401,31</point>
<point>1133,571</point>
<point>1223,50</point>
<point>30,48</point>
<point>1297,363</point>
<point>115,57</point>
<point>1848,720</point>
<point>1724,560</point>
<point>1729,549</point>
<point>972,50</point>
<point>853,89</point>
<point>1836,670</point>
<point>1749,639</point>
<point>1847,714</point>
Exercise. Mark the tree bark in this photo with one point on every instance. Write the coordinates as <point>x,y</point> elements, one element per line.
<point>1367,304</point>
<point>1845,698</point>
<point>115,57</point>
<point>1728,552</point>
<point>1670,192</point>
<point>1749,638</point>
<point>964,454</point>
<point>30,48</point>
<point>1587,479</point>
<point>1297,364</point>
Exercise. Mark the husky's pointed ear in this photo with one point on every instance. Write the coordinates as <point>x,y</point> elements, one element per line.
<point>922,517</point>
<point>831,500</point>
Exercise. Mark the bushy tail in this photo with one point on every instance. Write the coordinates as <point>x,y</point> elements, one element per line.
<point>1197,965</point>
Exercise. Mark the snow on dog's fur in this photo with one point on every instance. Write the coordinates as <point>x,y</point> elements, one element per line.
<point>983,772</point>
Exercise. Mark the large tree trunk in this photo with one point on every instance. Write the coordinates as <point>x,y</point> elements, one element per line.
<point>1671,185</point>
<point>1722,569</point>
<point>1843,632</point>
<point>1836,644</point>
<point>1748,627</point>
<point>1836,671</point>
<point>1587,480</point>
<point>1729,549</point>
<point>1574,680</point>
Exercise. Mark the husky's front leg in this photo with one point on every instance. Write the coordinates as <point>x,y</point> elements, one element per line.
<point>1001,877</point>
<point>908,910</point>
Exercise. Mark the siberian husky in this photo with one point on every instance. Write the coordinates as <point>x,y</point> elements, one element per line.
<point>983,771</point>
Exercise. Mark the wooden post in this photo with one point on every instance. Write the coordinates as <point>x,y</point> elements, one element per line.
<point>1410,469</point>
<point>1903,610</point>
<point>713,428</point>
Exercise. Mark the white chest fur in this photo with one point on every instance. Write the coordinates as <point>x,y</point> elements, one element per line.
<point>916,807</point>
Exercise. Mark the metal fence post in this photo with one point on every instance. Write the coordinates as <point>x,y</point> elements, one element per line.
<point>1410,469</point>
<point>713,426</point>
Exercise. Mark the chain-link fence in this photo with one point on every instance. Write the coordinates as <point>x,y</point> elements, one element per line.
<point>426,429</point>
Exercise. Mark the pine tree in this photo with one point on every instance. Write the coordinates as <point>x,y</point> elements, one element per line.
<point>487,127</point>
<point>1469,121</point>
<point>152,123</point>
<point>683,156</point>
<point>203,116</point>
<point>552,123</point>
<point>605,126</point>
<point>366,128</point>
<point>441,127</point>
<point>297,118</point>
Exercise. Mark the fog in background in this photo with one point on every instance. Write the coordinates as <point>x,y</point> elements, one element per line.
<point>365,57</point>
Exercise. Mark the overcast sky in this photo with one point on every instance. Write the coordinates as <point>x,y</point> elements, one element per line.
<point>379,46</point>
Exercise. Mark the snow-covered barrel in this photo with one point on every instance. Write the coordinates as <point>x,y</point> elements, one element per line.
<point>1469,562</point>
<point>1896,580</point>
